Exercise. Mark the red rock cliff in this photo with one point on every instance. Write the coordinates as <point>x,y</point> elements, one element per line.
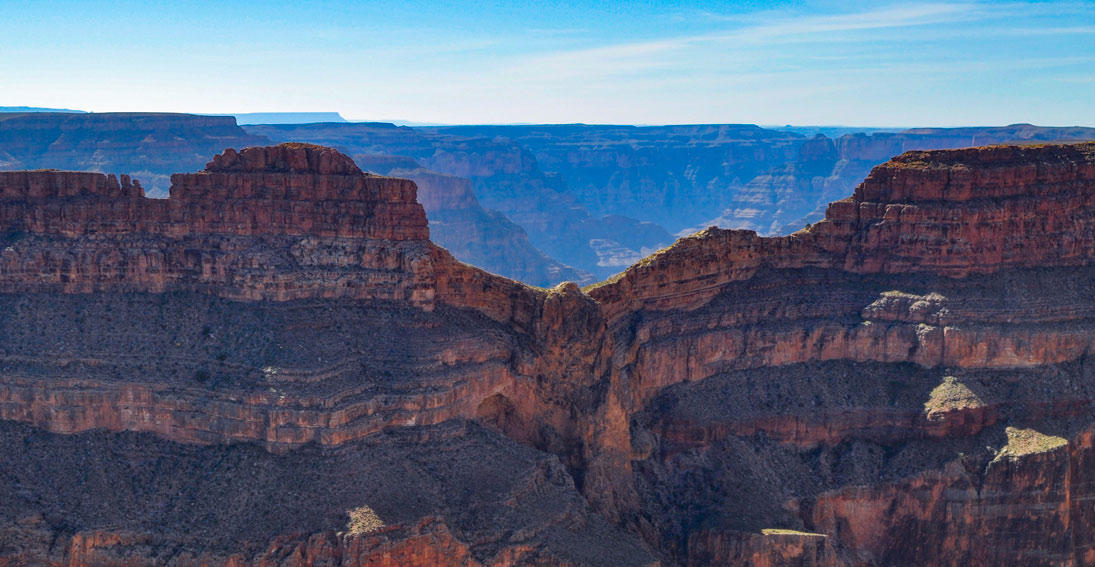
<point>77,232</point>
<point>906,378</point>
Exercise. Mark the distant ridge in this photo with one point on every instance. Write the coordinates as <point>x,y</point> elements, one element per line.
<point>287,117</point>
<point>39,109</point>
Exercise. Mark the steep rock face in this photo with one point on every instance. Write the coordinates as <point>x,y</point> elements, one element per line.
<point>145,145</point>
<point>974,266</point>
<point>284,298</point>
<point>947,213</point>
<point>63,231</point>
<point>909,378</point>
<point>285,224</point>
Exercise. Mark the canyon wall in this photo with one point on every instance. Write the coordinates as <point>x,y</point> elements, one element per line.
<point>912,368</point>
<point>908,378</point>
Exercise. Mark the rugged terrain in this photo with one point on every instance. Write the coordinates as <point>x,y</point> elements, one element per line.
<point>285,311</point>
<point>541,204</point>
<point>150,146</point>
<point>788,197</point>
<point>481,237</point>
<point>600,197</point>
<point>276,366</point>
<point>506,178</point>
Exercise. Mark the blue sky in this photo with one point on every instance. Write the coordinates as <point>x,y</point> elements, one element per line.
<point>851,63</point>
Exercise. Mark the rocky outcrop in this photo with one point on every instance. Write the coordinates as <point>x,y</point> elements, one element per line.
<point>777,388</point>
<point>208,235</point>
<point>285,223</point>
<point>314,311</point>
<point>909,378</point>
<point>945,213</point>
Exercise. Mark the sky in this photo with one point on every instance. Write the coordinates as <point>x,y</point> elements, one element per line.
<point>794,62</point>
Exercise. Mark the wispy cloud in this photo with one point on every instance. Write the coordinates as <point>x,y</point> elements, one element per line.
<point>1078,79</point>
<point>632,57</point>
<point>882,18</point>
<point>753,42</point>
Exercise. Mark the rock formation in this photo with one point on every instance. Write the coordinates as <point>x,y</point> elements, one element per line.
<point>860,380</point>
<point>507,178</point>
<point>239,367</point>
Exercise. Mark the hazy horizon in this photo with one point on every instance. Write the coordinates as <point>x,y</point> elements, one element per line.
<point>412,123</point>
<point>856,64</point>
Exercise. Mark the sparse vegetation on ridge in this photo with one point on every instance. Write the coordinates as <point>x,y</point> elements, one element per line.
<point>363,521</point>
<point>1022,442</point>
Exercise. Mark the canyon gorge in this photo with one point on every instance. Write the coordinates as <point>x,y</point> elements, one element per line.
<point>275,365</point>
<point>541,204</point>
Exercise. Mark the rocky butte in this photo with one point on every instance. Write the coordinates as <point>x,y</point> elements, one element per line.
<point>276,367</point>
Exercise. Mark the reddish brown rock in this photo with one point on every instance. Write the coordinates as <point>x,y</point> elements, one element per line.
<point>863,379</point>
<point>771,548</point>
<point>1017,511</point>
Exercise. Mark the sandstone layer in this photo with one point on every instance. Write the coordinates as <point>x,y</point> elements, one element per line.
<point>907,380</point>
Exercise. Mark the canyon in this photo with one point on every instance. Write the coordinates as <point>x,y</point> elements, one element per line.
<point>601,197</point>
<point>231,375</point>
<point>541,204</point>
<point>505,177</point>
<point>152,147</point>
<point>149,146</point>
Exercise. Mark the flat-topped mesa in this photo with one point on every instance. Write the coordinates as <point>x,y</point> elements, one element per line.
<point>284,158</point>
<point>297,189</point>
<point>991,172</point>
<point>327,230</point>
<point>952,213</point>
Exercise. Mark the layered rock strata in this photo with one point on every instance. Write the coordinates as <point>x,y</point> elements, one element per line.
<point>860,380</point>
<point>151,146</point>
<point>908,378</point>
<point>788,197</point>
